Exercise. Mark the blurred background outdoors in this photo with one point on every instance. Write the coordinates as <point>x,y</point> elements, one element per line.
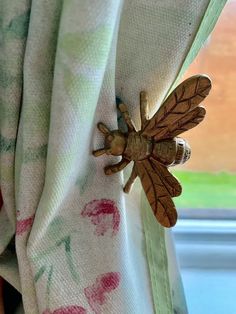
<point>206,240</point>
<point>209,177</point>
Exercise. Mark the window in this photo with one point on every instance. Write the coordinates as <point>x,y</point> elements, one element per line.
<point>209,177</point>
<point>206,231</point>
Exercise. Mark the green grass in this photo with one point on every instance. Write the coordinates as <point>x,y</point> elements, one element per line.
<point>206,190</point>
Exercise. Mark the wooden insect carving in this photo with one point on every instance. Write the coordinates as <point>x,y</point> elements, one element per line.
<point>155,147</point>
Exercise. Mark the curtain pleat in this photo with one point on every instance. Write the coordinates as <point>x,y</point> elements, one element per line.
<point>70,240</point>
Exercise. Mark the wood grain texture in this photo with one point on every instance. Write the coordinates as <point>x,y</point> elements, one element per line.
<point>157,194</point>
<point>187,122</point>
<point>169,181</point>
<point>185,98</point>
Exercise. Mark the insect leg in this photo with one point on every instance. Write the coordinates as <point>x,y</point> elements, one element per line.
<point>143,109</point>
<point>103,128</point>
<point>124,111</point>
<point>130,181</point>
<point>117,167</point>
<point>99,152</point>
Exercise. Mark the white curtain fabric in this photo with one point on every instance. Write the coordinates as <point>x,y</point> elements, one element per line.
<point>80,243</point>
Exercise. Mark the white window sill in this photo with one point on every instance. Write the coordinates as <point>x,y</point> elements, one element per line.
<point>206,250</point>
<point>206,243</point>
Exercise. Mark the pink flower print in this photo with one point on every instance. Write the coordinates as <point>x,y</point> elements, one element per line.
<point>96,294</point>
<point>104,215</point>
<point>74,309</point>
<point>23,225</point>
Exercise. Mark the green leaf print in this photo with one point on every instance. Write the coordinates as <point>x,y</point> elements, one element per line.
<point>18,27</point>
<point>7,145</point>
<point>76,82</point>
<point>6,78</point>
<point>39,274</point>
<point>57,248</point>
<point>33,154</point>
<point>86,176</point>
<point>82,46</point>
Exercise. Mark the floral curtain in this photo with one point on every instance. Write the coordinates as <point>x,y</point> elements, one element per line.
<point>70,240</point>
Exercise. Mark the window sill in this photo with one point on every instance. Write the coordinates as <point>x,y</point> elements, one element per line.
<point>206,243</point>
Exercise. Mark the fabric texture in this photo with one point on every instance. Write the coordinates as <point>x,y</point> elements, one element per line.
<point>70,240</point>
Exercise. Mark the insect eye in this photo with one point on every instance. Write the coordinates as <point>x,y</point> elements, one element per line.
<point>110,138</point>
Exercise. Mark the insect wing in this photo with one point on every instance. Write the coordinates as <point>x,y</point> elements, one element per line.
<point>187,122</point>
<point>174,114</point>
<point>157,194</point>
<point>170,182</point>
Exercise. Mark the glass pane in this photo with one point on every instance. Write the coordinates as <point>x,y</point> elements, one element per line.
<point>209,177</point>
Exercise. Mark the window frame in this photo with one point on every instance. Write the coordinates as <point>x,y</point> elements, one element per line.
<point>206,243</point>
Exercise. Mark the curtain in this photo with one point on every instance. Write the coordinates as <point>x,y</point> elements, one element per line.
<point>70,240</point>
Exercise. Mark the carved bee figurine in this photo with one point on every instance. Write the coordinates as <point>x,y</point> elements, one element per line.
<point>155,147</point>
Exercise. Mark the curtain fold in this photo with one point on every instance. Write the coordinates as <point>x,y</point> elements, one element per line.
<point>70,240</point>
<point>14,19</point>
